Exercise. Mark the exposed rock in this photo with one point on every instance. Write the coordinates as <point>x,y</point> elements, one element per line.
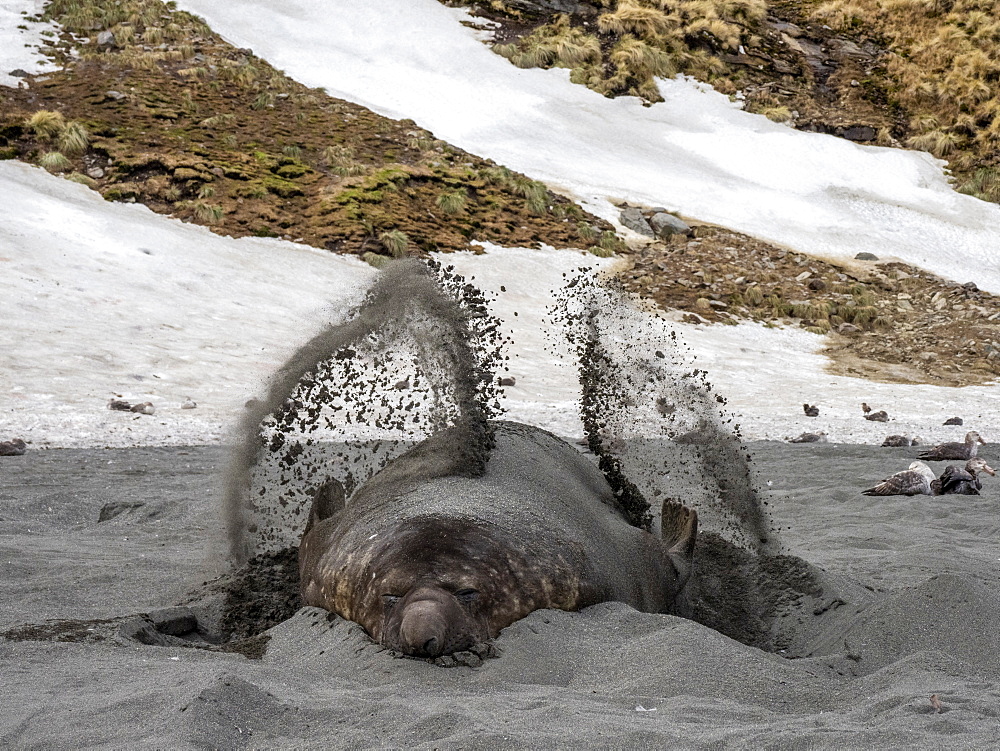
<point>859,133</point>
<point>552,7</point>
<point>95,172</point>
<point>635,221</point>
<point>189,404</point>
<point>665,225</point>
<point>865,256</point>
<point>146,408</point>
<point>508,381</point>
<point>114,95</point>
<point>880,416</point>
<point>19,73</point>
<point>106,39</point>
<point>119,405</point>
<point>953,421</point>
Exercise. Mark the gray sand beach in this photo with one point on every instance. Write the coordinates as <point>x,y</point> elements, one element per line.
<point>903,603</point>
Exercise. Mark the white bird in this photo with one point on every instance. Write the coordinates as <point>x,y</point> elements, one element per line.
<point>913,481</point>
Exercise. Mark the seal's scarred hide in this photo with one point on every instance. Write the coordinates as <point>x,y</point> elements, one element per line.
<point>431,559</point>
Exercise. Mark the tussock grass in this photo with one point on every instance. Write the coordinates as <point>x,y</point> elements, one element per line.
<point>45,124</point>
<point>207,213</point>
<point>453,202</point>
<point>395,242</point>
<point>637,41</point>
<point>984,184</point>
<point>53,161</point>
<point>587,232</point>
<point>944,69</point>
<point>600,251</point>
<point>341,161</point>
<point>375,260</point>
<point>79,177</point>
<point>74,138</point>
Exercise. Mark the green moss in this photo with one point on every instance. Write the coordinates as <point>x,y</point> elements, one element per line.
<point>252,189</point>
<point>358,195</point>
<point>8,152</point>
<point>292,169</point>
<point>264,231</point>
<point>119,193</point>
<point>282,188</point>
<point>187,173</point>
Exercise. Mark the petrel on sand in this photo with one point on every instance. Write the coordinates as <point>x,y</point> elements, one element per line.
<point>913,481</point>
<point>949,451</point>
<point>957,480</point>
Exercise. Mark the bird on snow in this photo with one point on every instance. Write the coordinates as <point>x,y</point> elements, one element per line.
<point>956,480</point>
<point>880,416</point>
<point>953,421</point>
<point>948,451</point>
<point>865,408</point>
<point>810,410</point>
<point>913,481</point>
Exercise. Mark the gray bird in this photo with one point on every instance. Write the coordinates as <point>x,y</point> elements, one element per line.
<point>896,440</point>
<point>913,481</point>
<point>819,437</point>
<point>13,447</point>
<point>810,410</point>
<point>957,480</point>
<point>950,451</point>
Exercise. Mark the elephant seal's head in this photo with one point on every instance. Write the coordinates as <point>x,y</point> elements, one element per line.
<point>431,586</point>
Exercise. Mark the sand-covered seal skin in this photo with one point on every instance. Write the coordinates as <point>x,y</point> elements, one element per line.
<point>431,559</point>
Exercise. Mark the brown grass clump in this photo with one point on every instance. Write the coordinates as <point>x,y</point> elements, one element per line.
<point>637,41</point>
<point>45,124</point>
<point>945,69</point>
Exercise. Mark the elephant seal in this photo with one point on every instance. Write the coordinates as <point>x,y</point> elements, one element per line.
<point>432,559</point>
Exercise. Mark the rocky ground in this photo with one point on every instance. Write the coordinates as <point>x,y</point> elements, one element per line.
<point>175,118</point>
<point>151,106</point>
<point>886,321</point>
<point>787,66</point>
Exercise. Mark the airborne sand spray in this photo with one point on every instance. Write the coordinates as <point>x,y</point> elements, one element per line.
<point>414,357</point>
<point>652,419</point>
<point>418,354</point>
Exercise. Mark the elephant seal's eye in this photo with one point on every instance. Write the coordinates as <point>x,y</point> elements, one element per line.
<point>467,595</point>
<point>390,600</point>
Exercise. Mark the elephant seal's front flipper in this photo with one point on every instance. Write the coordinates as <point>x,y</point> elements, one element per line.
<point>679,528</point>
<point>679,531</point>
<point>328,499</point>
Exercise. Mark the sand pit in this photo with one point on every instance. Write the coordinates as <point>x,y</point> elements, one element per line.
<point>904,605</point>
